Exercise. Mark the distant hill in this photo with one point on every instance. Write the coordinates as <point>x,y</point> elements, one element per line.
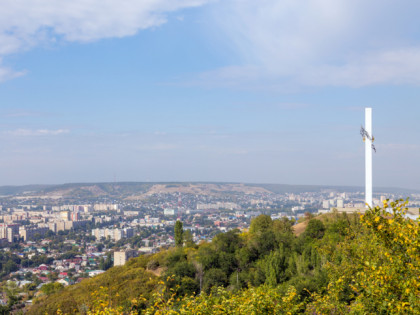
<point>77,190</point>
<point>19,190</point>
<point>283,188</point>
<point>139,190</point>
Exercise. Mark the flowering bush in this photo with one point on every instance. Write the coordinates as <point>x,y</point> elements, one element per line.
<point>260,300</point>
<point>377,268</point>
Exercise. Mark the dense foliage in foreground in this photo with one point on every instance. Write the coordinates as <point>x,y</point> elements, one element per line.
<point>341,264</point>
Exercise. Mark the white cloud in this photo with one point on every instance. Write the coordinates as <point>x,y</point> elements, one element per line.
<point>25,24</point>
<point>7,73</point>
<point>38,132</point>
<point>400,66</point>
<point>319,42</point>
<point>279,43</point>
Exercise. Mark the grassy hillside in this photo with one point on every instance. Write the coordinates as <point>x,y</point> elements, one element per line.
<point>232,260</point>
<point>119,284</point>
<point>358,264</point>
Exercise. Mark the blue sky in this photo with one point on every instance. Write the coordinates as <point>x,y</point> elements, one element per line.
<point>205,90</point>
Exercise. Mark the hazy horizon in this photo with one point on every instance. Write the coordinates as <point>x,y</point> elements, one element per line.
<point>378,189</point>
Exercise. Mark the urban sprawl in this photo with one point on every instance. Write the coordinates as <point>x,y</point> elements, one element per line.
<point>49,240</point>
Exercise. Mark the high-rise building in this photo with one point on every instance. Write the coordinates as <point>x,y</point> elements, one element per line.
<point>120,258</point>
<point>114,234</point>
<point>65,215</point>
<point>129,232</point>
<point>74,216</point>
<point>169,212</point>
<point>9,232</point>
<point>29,233</point>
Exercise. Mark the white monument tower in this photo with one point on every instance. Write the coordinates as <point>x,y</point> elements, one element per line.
<point>368,156</point>
<point>366,133</point>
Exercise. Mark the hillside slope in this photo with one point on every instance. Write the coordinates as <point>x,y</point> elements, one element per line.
<point>340,263</point>
<point>119,284</point>
<point>139,190</point>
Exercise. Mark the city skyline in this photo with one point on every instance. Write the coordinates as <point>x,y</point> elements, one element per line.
<point>200,90</point>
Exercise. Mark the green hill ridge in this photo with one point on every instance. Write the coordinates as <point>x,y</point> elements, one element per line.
<point>357,264</point>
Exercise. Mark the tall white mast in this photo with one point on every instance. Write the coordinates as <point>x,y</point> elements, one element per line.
<point>368,157</point>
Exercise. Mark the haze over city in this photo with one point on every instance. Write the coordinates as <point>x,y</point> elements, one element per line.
<point>195,90</point>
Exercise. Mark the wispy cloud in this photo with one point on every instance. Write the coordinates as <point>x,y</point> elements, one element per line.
<point>37,132</point>
<point>7,73</point>
<point>399,66</point>
<point>25,24</point>
<point>284,44</point>
<point>20,113</point>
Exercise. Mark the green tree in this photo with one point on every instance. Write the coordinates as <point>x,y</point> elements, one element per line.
<point>208,257</point>
<point>105,264</point>
<point>29,287</point>
<point>261,224</point>
<point>227,242</point>
<point>188,239</point>
<point>51,288</point>
<point>314,230</point>
<point>214,278</point>
<point>4,310</point>
<point>10,266</point>
<point>179,232</point>
<point>52,276</point>
<point>275,265</point>
<point>12,292</point>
